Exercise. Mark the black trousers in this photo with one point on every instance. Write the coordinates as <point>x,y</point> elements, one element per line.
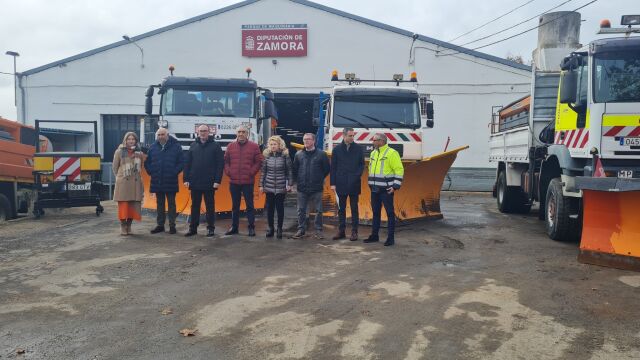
<point>378,199</point>
<point>342,212</point>
<point>236,192</point>
<point>160,205</point>
<point>210,205</point>
<point>275,202</point>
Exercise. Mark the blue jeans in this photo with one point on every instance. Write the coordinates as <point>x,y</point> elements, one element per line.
<point>378,199</point>
<point>236,192</point>
<point>313,200</point>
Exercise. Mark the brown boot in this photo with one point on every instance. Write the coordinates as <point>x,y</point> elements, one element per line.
<point>354,235</point>
<point>129,221</point>
<point>339,235</point>
<point>123,227</point>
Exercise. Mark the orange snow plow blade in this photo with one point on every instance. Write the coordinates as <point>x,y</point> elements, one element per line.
<point>419,196</point>
<point>611,226</point>
<point>183,197</point>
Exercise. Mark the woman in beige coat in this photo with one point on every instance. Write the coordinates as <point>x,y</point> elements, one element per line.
<point>127,167</point>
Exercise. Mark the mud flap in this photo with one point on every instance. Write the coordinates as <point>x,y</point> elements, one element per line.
<point>611,226</point>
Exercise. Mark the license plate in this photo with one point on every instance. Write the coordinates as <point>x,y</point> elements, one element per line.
<point>625,174</point>
<point>630,141</point>
<point>80,187</point>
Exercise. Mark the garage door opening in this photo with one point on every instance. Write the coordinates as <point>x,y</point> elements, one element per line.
<point>295,116</point>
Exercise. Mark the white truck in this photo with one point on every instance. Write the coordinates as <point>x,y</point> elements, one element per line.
<point>221,103</point>
<point>582,121</point>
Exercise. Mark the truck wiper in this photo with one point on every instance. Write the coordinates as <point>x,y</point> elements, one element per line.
<point>386,123</point>
<point>182,114</point>
<point>354,120</point>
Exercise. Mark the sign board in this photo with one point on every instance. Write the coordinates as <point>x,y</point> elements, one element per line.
<point>274,40</point>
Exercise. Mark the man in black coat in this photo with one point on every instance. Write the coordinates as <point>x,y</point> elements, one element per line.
<point>347,164</point>
<point>310,167</point>
<point>164,163</point>
<point>202,175</point>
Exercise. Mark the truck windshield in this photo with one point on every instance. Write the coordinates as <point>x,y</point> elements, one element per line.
<point>617,76</point>
<point>209,102</point>
<point>376,112</point>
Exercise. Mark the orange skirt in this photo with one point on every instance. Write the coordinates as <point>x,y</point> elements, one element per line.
<point>129,210</point>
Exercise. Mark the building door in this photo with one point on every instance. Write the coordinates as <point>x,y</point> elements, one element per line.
<point>114,127</point>
<point>295,116</point>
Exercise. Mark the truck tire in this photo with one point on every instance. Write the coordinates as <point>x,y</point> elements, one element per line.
<point>511,199</point>
<point>6,211</point>
<point>560,226</point>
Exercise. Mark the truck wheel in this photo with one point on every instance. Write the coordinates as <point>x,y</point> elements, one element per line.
<point>511,199</point>
<point>559,225</point>
<point>6,212</point>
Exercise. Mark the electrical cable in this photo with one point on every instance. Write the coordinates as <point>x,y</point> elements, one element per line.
<point>523,32</point>
<point>489,22</point>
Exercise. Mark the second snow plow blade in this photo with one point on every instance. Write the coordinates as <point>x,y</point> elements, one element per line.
<point>610,230</point>
<point>419,196</point>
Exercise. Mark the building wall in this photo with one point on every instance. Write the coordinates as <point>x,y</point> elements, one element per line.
<point>463,87</point>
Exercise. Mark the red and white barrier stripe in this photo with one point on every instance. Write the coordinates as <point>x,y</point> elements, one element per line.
<point>367,136</point>
<point>573,139</point>
<point>68,167</point>
<point>624,131</point>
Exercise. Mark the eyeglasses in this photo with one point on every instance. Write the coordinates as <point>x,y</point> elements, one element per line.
<point>203,131</point>
<point>376,139</point>
<point>242,132</point>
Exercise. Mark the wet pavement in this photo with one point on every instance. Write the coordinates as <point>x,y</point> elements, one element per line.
<point>476,285</point>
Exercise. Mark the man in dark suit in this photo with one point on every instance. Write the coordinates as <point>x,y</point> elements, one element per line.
<point>347,164</point>
<point>202,175</point>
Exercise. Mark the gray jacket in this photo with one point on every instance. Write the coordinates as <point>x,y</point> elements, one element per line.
<point>276,172</point>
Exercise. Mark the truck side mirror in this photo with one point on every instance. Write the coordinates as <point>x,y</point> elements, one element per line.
<point>261,107</point>
<point>568,87</point>
<point>148,103</point>
<point>430,123</point>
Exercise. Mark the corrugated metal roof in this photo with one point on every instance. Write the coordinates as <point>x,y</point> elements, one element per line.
<point>302,2</point>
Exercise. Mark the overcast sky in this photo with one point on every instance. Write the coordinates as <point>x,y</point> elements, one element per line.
<point>43,31</point>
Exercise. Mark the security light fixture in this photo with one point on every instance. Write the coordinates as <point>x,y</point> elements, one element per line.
<point>128,39</point>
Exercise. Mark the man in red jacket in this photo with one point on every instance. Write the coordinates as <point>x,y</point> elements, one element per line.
<point>242,161</point>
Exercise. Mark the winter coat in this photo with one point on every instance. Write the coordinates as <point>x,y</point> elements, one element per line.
<point>127,170</point>
<point>242,162</point>
<point>276,172</point>
<point>163,165</point>
<point>204,164</point>
<point>309,170</point>
<point>346,168</point>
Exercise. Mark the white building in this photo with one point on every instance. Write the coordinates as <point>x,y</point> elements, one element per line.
<point>107,84</point>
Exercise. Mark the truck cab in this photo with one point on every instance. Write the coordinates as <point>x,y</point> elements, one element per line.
<point>399,112</point>
<point>223,104</point>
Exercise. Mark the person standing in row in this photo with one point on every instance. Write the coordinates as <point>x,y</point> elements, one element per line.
<point>128,192</point>
<point>242,161</point>
<point>310,167</point>
<point>347,165</point>
<point>385,178</point>
<point>275,181</point>
<point>164,163</point>
<point>203,175</point>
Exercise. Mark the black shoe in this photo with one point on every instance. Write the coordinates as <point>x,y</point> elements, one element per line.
<point>252,231</point>
<point>279,233</point>
<point>231,231</point>
<point>172,230</point>
<point>191,232</point>
<point>371,239</point>
<point>354,236</point>
<point>269,233</point>
<point>157,229</point>
<point>389,242</point>
<point>339,235</point>
<point>210,232</point>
